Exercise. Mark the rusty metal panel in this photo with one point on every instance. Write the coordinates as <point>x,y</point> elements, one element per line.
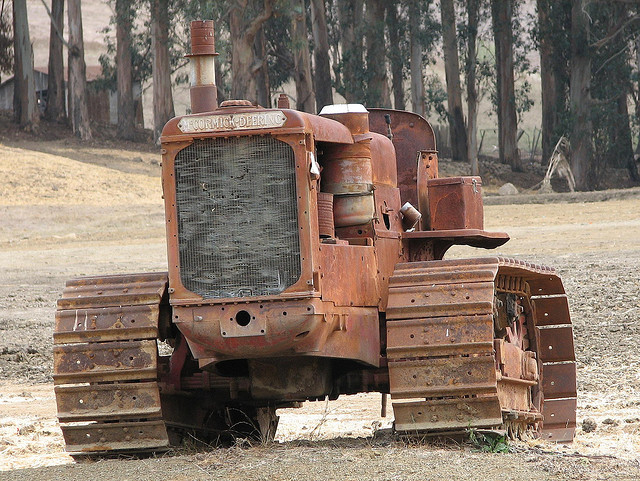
<point>445,272</point>
<point>444,239</point>
<point>111,291</point>
<point>559,380</point>
<point>551,311</point>
<point>348,275</point>
<point>559,419</point>
<point>556,344</point>
<point>385,170</point>
<point>547,285</point>
<point>106,324</point>
<point>105,361</point>
<point>447,414</point>
<point>510,358</point>
<point>118,279</point>
<point>440,300</point>
<point>429,275</point>
<point>514,394</point>
<point>456,203</point>
<point>98,437</point>
<point>439,336</point>
<point>389,253</point>
<point>297,326</point>
<point>389,219</point>
<point>108,401</point>
<point>559,434</point>
<point>446,265</point>
<point>427,170</point>
<point>437,377</point>
<point>411,134</point>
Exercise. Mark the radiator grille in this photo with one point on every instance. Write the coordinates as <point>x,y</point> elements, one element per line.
<point>237,217</point>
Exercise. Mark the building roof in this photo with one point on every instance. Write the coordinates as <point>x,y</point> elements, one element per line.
<point>93,72</point>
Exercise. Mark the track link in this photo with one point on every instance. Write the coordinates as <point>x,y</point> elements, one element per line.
<point>106,364</point>
<point>448,370</point>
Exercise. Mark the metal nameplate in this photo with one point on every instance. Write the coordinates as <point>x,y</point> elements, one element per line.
<point>238,121</point>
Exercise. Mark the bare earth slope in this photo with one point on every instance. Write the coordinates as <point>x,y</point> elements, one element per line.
<point>62,217</point>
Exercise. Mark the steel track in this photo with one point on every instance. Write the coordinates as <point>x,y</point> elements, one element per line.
<point>106,364</point>
<point>443,367</point>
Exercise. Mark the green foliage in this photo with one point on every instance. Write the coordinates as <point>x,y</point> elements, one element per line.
<point>429,28</point>
<point>488,442</point>
<point>426,30</point>
<point>522,45</point>
<point>280,48</point>
<point>413,17</point>
<point>141,56</point>
<point>485,56</point>
<point>435,97</point>
<point>6,38</point>
<point>611,74</point>
<point>141,52</point>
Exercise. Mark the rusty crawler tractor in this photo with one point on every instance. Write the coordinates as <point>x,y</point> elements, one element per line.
<point>298,271</point>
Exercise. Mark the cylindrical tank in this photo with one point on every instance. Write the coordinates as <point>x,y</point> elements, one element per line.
<point>347,174</point>
<point>203,91</point>
<point>347,171</point>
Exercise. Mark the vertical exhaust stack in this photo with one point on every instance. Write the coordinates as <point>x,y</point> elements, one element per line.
<point>203,91</point>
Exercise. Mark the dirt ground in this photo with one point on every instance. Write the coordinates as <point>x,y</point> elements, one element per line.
<point>68,211</point>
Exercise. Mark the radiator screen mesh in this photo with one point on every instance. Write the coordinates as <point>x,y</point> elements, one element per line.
<point>237,217</point>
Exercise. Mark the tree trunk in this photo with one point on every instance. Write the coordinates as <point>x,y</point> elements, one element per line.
<point>621,146</point>
<point>472,92</point>
<point>397,62</point>
<point>78,109</point>
<point>55,109</point>
<point>417,77</point>
<point>305,97</point>
<point>637,154</point>
<point>502,11</point>
<point>457,131</point>
<point>243,34</point>
<point>623,140</point>
<point>126,111</point>
<point>163,109</point>
<point>350,14</point>
<point>263,84</point>
<point>548,81</point>
<point>378,87</point>
<point>25,101</point>
<point>219,87</point>
<point>582,163</point>
<point>322,77</point>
